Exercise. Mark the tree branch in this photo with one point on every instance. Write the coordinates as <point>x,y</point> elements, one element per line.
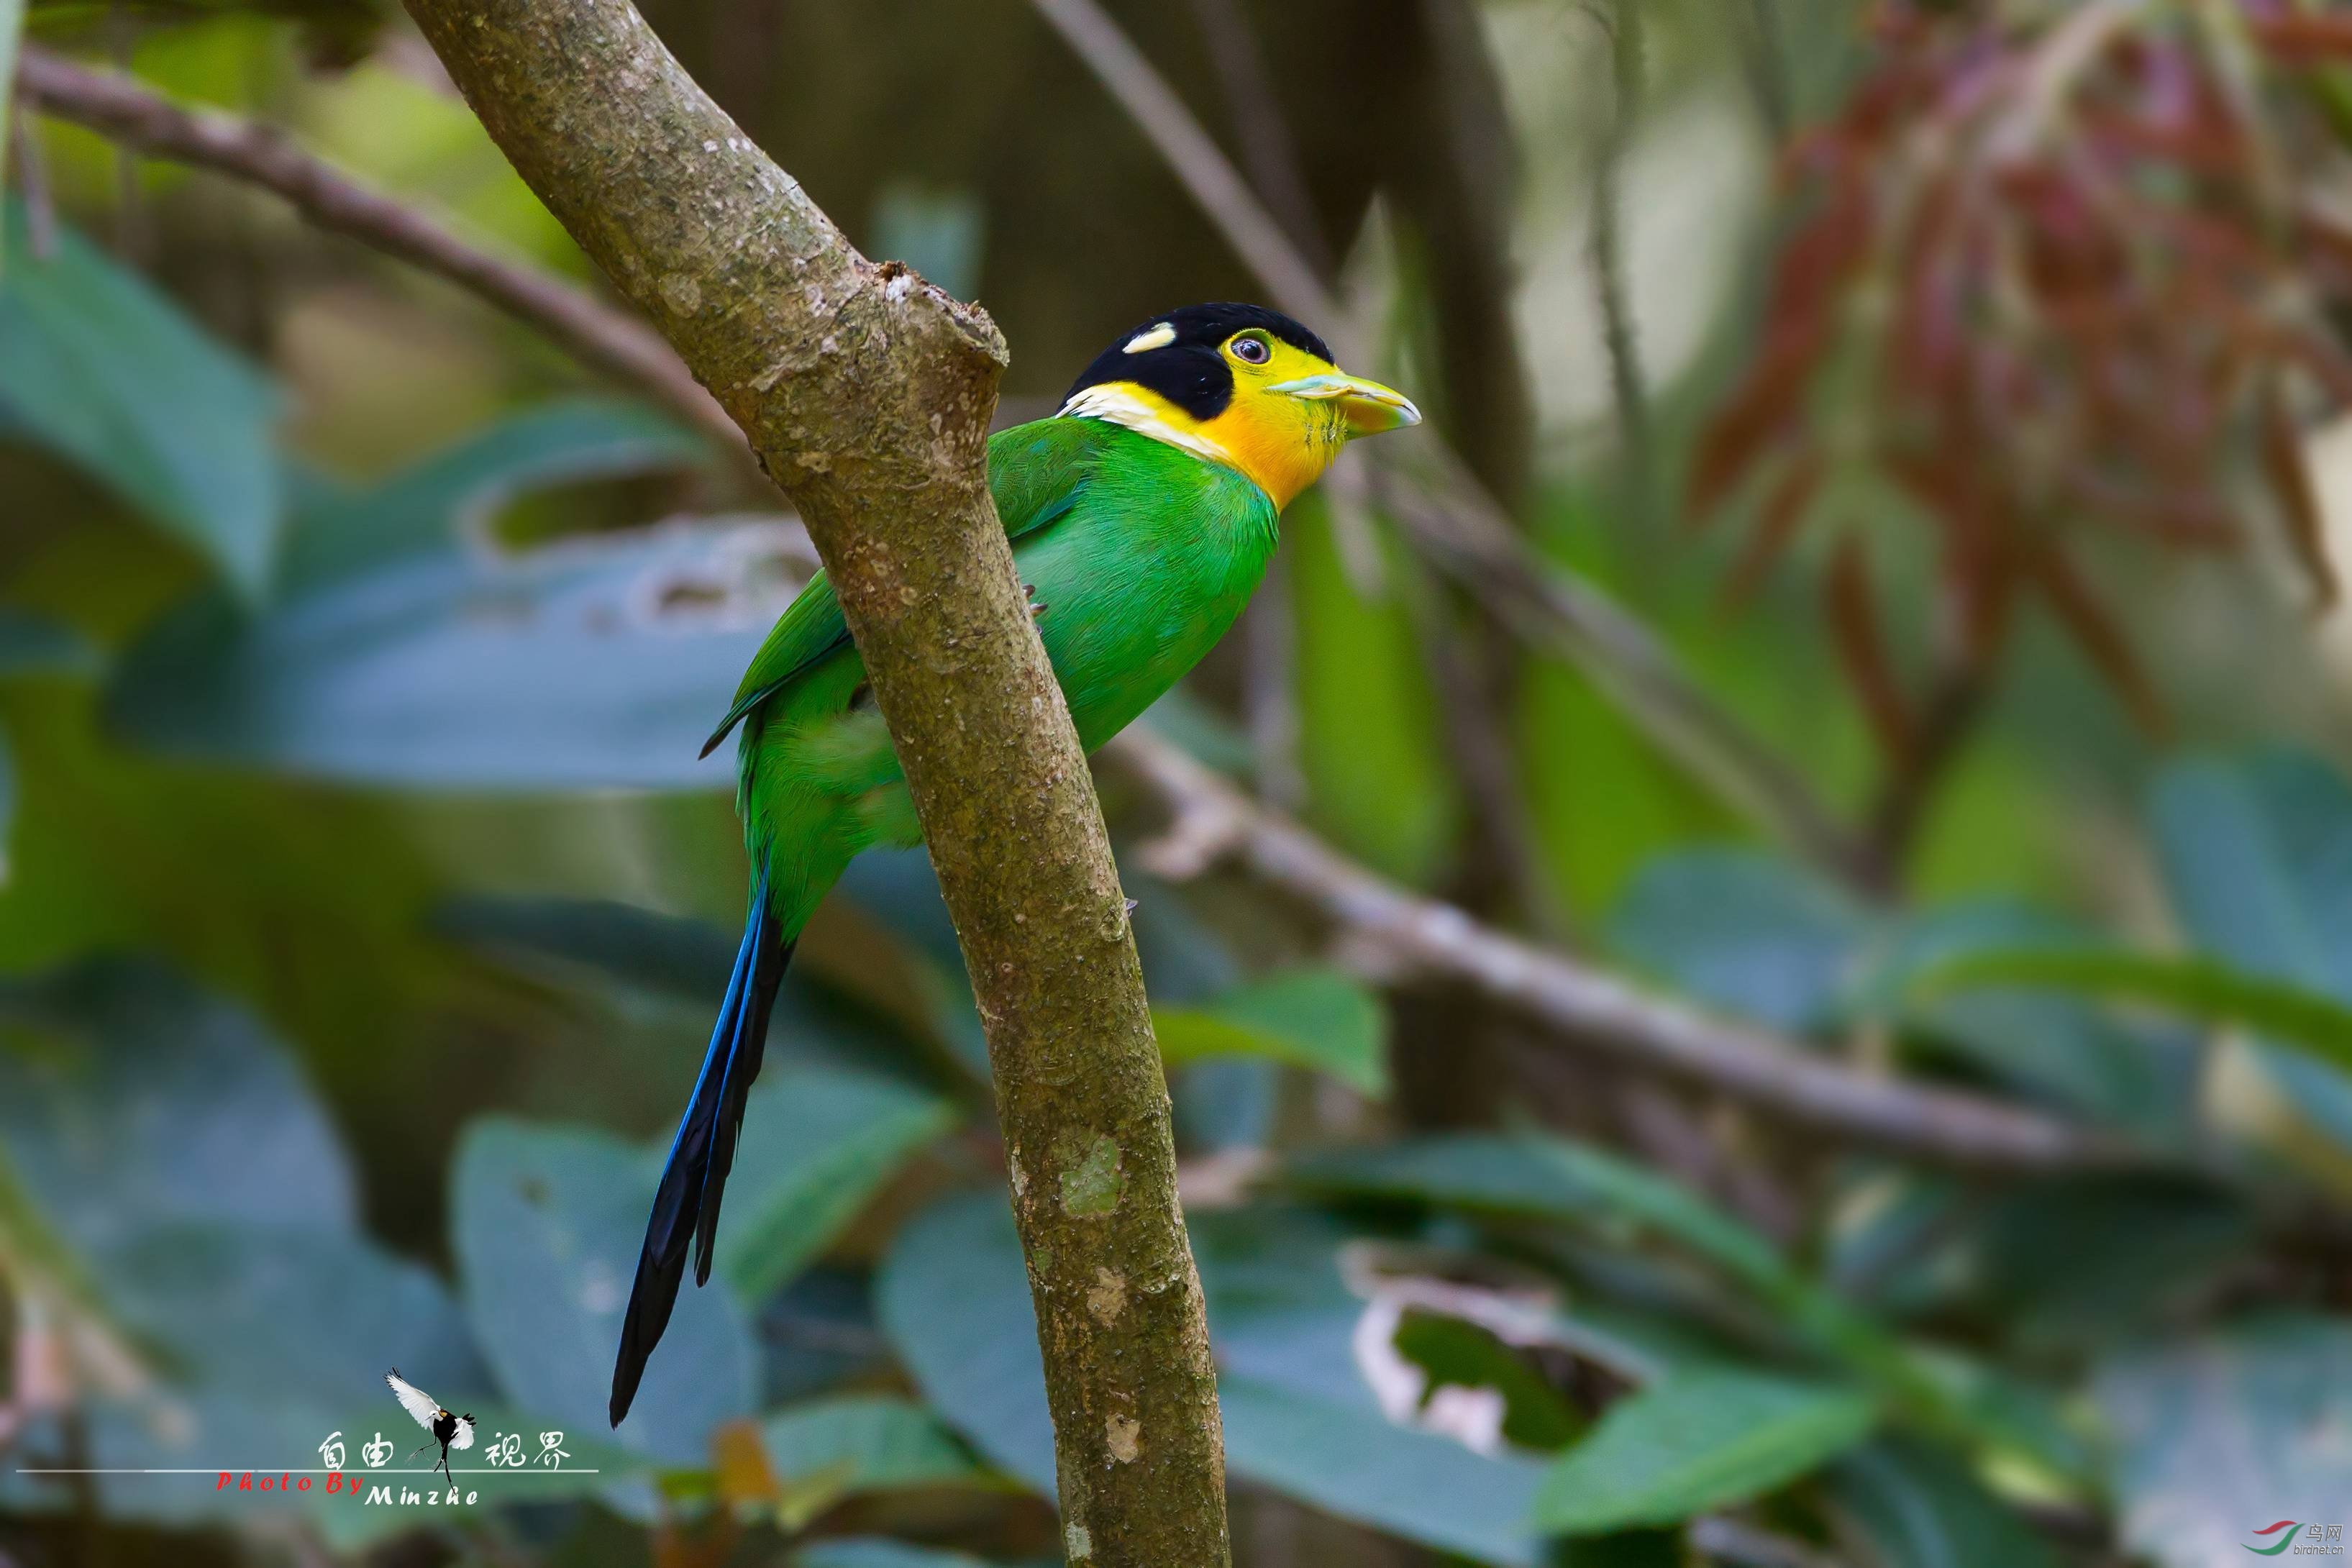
<point>1450,518</point>
<point>1267,146</point>
<point>867,393</point>
<point>124,111</point>
<point>1627,384</point>
<point>1393,934</point>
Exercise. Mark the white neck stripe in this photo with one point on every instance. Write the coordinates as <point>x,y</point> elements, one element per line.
<point>1114,404</point>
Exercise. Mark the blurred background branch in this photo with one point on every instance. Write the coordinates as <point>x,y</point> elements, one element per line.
<point>1395,936</point>
<point>614,343</point>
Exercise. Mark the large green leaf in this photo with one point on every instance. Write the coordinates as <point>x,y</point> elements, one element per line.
<point>641,949</point>
<point>870,1442</point>
<point>36,645</point>
<point>1352,1463</point>
<point>594,664</point>
<point>1744,931</point>
<point>97,367</point>
<point>132,1098</point>
<point>406,650</point>
<point>816,1144</point>
<point>1313,1018</point>
<point>1919,1507</point>
<point>2257,854</point>
<point>547,1225</point>
<point>1598,1191</point>
<point>2216,1436</point>
<point>1298,1415</point>
<point>1700,1440</point>
<point>953,1297</point>
<point>7,803</point>
<point>877,1551</point>
<point>1551,1179</point>
<point>2064,1050</point>
<point>2210,992</point>
<point>297,1313</point>
<point>448,498</point>
<point>2079,1262</point>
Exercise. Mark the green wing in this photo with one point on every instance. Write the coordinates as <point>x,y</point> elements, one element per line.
<point>1037,473</point>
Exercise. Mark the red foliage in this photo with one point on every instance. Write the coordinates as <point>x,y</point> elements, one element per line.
<point>2051,271</point>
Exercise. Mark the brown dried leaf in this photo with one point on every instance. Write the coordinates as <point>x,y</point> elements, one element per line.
<point>2101,640</point>
<point>2295,37</point>
<point>1862,650</point>
<point>2290,477</point>
<point>1777,520</point>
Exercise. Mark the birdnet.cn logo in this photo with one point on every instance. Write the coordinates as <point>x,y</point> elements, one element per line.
<point>2290,1537</point>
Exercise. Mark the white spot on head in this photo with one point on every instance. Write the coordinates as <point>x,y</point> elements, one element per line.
<point>1158,337</point>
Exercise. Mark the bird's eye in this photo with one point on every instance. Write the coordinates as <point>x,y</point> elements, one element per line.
<point>1251,351</point>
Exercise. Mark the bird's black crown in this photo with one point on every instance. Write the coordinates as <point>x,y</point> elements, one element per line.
<point>1187,369</point>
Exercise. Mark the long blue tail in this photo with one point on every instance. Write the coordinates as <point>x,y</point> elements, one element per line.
<point>685,1204</point>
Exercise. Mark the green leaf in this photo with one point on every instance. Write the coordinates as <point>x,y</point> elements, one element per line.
<point>2058,1047</point>
<point>39,1263</point>
<point>307,1314</point>
<point>1298,1416</point>
<point>547,1226</point>
<point>1697,1441</point>
<point>402,650</point>
<point>1743,931</point>
<point>593,664</point>
<point>1347,1460</point>
<point>446,499</point>
<point>2254,850</point>
<point>954,1296</point>
<point>666,955</point>
<point>100,368</point>
<point>876,1551</point>
<point>2080,1262</point>
<point>127,1097</point>
<point>36,645</point>
<point>12,29</point>
<point>1919,1507</point>
<point>2206,990</point>
<point>1553,1179</point>
<point>2217,1435</point>
<point>7,803</point>
<point>815,1145</point>
<point>873,1442</point>
<point>1316,1018</point>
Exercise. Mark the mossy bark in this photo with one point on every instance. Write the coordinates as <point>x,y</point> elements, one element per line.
<point>867,394</point>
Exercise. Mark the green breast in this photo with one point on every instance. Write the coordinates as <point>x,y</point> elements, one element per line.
<point>1150,565</point>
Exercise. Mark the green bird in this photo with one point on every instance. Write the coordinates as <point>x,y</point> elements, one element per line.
<point>1143,516</point>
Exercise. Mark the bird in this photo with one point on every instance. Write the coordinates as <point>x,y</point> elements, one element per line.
<point>1143,516</point>
<point>449,1431</point>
